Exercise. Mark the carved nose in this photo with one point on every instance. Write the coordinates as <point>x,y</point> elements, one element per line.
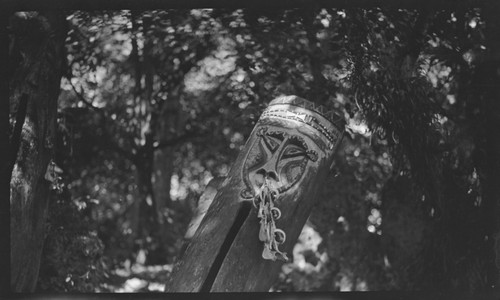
<point>260,173</point>
<point>268,174</point>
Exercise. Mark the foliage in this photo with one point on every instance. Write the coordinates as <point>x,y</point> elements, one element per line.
<point>402,207</point>
<point>73,254</point>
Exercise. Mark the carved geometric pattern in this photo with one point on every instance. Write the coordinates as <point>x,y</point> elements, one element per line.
<point>331,115</point>
<point>328,123</point>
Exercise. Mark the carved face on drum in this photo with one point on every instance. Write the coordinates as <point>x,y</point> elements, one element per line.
<point>282,150</point>
<point>278,154</point>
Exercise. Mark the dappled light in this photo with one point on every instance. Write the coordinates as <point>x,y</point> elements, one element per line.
<point>154,104</point>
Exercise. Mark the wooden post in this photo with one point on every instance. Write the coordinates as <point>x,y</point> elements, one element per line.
<point>284,163</point>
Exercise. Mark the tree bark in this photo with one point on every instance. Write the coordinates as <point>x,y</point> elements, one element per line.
<point>39,39</point>
<point>484,103</point>
<point>286,158</point>
<point>169,124</point>
<point>5,170</point>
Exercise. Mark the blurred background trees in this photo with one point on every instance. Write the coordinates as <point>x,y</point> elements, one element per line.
<point>153,104</point>
<point>35,67</point>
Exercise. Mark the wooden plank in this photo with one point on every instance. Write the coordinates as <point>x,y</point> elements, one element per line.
<point>243,268</point>
<point>290,151</point>
<point>194,266</point>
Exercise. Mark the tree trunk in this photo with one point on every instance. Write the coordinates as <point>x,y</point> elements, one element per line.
<point>283,164</point>
<point>5,169</point>
<point>162,174</point>
<point>39,40</point>
<point>145,222</point>
<point>484,93</point>
<point>170,123</point>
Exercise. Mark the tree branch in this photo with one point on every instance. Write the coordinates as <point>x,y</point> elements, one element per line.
<point>178,139</point>
<point>107,141</point>
<point>191,133</point>
<point>407,57</point>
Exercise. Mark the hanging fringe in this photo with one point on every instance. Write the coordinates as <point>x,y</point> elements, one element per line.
<point>264,200</point>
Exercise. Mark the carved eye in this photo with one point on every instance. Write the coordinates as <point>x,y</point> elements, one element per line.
<point>272,142</point>
<point>293,151</point>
